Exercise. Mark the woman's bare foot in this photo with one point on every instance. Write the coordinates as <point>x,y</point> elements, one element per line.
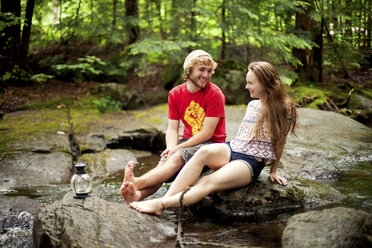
<point>154,206</point>
<point>128,190</point>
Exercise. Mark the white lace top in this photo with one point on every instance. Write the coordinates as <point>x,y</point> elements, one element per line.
<point>246,143</point>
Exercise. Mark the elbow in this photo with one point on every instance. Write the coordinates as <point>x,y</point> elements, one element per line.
<point>209,134</point>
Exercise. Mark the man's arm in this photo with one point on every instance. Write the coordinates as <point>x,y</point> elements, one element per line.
<point>171,136</point>
<point>209,125</point>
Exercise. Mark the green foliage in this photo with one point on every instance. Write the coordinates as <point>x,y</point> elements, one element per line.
<point>8,19</point>
<point>158,51</point>
<point>289,77</point>
<point>16,74</point>
<point>88,69</point>
<point>169,29</point>
<point>106,104</point>
<point>41,77</point>
<point>342,53</point>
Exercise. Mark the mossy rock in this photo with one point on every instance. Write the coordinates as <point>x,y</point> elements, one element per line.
<point>264,197</point>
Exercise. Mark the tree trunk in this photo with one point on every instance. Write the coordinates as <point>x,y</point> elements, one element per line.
<point>369,25</point>
<point>10,37</point>
<point>223,38</point>
<point>302,25</point>
<point>158,9</point>
<point>348,23</point>
<point>27,29</point>
<point>193,22</point>
<point>131,12</point>
<point>316,67</point>
<point>114,2</point>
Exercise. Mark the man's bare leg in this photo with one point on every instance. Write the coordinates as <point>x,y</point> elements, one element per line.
<point>137,188</point>
<point>160,173</point>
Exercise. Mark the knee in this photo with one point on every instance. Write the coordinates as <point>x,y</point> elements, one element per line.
<point>203,152</point>
<point>176,161</point>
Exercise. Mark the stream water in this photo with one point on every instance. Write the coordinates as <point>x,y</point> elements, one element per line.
<point>354,182</point>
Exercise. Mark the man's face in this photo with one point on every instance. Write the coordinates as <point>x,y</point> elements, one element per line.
<point>254,86</point>
<point>201,74</point>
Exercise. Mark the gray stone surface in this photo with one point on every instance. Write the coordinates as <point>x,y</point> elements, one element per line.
<point>264,197</point>
<point>338,227</point>
<point>94,222</point>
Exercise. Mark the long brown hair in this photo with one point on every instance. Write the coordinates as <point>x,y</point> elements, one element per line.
<point>279,111</point>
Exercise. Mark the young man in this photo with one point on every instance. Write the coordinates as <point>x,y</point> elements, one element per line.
<point>200,105</point>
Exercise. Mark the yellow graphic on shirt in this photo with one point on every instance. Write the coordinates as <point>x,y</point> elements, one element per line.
<point>194,116</point>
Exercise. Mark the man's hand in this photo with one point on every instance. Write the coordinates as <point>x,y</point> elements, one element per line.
<point>275,178</point>
<point>168,152</point>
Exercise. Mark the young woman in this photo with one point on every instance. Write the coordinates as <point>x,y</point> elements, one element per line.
<point>259,142</point>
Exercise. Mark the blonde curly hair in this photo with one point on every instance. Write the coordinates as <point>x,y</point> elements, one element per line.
<point>197,56</point>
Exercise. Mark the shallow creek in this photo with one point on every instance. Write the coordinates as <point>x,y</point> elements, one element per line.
<point>259,232</point>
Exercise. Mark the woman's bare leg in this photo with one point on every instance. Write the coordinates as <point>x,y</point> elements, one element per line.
<point>233,175</point>
<point>214,156</point>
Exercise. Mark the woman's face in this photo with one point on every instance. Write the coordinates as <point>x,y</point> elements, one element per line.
<point>255,88</point>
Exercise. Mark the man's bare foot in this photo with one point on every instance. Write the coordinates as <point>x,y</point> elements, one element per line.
<point>128,172</point>
<point>128,190</point>
<point>154,206</point>
<point>129,194</point>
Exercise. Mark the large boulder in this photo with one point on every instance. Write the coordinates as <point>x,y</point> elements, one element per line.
<point>94,222</point>
<point>337,227</point>
<point>264,197</point>
<point>326,144</point>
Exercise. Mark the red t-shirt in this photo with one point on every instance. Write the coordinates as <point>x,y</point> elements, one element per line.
<point>192,108</point>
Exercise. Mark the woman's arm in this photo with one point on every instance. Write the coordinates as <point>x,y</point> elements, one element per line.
<point>273,176</point>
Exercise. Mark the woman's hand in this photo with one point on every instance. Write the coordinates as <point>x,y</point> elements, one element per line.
<point>275,178</point>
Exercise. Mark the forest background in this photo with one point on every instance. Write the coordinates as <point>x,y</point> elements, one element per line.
<point>321,47</point>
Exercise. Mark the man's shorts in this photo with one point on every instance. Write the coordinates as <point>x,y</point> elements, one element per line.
<point>187,154</point>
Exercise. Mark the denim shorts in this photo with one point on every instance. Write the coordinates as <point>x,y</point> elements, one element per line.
<point>254,166</point>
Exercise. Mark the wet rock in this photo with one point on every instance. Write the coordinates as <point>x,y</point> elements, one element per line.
<point>24,169</point>
<point>324,141</point>
<point>140,139</point>
<point>263,197</point>
<point>107,163</point>
<point>16,221</point>
<point>143,130</point>
<point>336,227</point>
<point>94,222</point>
